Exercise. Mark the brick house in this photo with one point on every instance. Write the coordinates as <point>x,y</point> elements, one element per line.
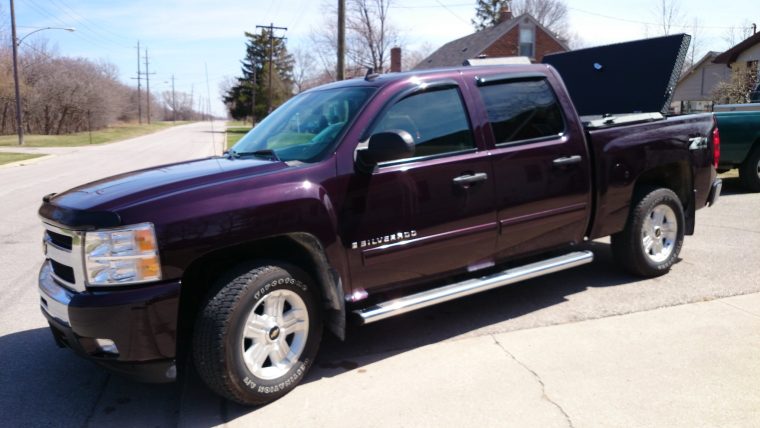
<point>512,36</point>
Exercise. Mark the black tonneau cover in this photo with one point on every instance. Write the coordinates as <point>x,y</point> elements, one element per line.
<point>624,78</point>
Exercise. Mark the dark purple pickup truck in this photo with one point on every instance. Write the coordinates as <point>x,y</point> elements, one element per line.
<point>357,201</point>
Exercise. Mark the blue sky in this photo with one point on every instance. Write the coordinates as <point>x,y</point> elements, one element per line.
<point>184,35</point>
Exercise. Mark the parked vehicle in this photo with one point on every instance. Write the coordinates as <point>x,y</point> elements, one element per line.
<point>358,201</point>
<point>740,137</point>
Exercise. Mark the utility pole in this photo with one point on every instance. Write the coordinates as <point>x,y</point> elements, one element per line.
<point>271,28</point>
<point>174,104</point>
<point>139,79</point>
<point>19,114</point>
<point>147,84</point>
<point>341,72</point>
<point>253,98</point>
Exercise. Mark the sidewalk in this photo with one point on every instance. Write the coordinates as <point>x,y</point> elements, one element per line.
<point>689,366</point>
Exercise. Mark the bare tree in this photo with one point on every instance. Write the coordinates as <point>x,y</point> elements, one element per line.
<point>411,57</point>
<point>369,37</point>
<point>735,35</point>
<point>370,34</point>
<point>303,69</point>
<point>695,48</point>
<point>739,88</point>
<point>669,15</point>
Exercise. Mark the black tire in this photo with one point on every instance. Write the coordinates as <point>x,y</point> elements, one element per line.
<point>749,171</point>
<point>219,343</point>
<point>628,246</point>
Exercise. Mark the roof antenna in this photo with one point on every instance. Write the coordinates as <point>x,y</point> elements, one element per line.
<point>370,74</point>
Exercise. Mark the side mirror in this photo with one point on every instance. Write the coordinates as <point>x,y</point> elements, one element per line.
<point>386,146</point>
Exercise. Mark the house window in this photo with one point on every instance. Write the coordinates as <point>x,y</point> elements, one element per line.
<point>527,41</point>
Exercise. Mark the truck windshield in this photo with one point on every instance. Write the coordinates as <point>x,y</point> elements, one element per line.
<point>306,126</point>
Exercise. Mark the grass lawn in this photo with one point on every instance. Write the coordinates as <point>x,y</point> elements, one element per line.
<point>108,135</point>
<point>235,133</point>
<point>15,157</point>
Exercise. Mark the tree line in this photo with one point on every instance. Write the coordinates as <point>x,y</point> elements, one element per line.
<point>62,95</point>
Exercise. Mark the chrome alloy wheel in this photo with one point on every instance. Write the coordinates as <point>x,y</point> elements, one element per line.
<point>274,335</point>
<point>659,233</point>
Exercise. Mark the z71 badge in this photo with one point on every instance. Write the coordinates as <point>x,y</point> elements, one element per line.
<point>384,239</point>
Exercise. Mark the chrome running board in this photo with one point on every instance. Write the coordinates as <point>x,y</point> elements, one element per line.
<point>427,298</point>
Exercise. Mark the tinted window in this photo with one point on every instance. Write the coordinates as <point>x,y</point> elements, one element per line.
<point>522,110</point>
<point>436,120</point>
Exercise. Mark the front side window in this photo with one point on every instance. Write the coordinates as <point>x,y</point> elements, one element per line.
<point>436,120</point>
<point>527,41</point>
<point>522,110</point>
<point>306,126</point>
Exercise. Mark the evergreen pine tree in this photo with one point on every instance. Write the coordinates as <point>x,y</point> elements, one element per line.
<point>238,98</point>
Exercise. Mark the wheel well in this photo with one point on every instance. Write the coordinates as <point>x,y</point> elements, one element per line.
<point>301,250</point>
<point>674,176</point>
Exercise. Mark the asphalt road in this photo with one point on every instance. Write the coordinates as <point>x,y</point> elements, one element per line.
<point>41,385</point>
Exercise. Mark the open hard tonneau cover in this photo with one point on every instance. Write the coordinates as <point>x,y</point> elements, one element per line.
<point>624,78</point>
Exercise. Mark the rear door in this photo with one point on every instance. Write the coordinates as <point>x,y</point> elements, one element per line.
<point>541,165</point>
<point>427,215</point>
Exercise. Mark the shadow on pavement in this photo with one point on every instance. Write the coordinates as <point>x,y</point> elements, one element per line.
<point>732,186</point>
<point>45,385</point>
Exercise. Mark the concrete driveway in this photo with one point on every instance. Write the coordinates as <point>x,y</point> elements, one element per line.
<point>587,347</point>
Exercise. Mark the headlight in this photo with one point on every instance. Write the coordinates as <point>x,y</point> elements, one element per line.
<point>125,255</point>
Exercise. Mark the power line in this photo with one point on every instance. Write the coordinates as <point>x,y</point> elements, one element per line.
<point>81,21</point>
<point>451,11</point>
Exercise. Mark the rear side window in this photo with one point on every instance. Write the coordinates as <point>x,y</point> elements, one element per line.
<point>522,110</point>
<point>436,120</point>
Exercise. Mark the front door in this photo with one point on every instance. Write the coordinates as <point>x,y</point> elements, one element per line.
<point>427,215</point>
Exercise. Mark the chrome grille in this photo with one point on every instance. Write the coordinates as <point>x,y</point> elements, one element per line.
<point>64,249</point>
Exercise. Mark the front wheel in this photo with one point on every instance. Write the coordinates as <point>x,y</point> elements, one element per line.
<point>258,333</point>
<point>653,235</point>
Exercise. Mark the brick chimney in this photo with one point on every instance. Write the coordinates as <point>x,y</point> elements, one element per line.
<point>395,60</point>
<point>505,14</point>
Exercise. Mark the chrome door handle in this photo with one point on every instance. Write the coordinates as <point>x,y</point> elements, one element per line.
<point>470,179</point>
<point>569,160</point>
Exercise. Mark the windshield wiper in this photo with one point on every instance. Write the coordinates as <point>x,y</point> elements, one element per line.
<point>263,153</point>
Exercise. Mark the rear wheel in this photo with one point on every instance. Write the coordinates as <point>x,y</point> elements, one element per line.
<point>258,333</point>
<point>749,171</point>
<point>653,235</point>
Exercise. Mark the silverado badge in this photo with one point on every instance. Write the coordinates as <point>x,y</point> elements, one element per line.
<point>400,236</point>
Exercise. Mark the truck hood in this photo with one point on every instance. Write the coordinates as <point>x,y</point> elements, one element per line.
<point>121,191</point>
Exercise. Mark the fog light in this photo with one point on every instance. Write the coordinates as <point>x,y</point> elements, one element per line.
<point>107,346</point>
